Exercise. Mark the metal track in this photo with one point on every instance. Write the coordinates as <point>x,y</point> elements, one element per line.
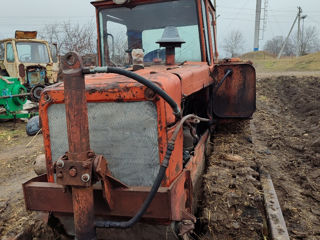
<point>277,225</point>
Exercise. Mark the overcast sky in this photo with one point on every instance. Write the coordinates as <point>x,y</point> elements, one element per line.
<point>234,15</point>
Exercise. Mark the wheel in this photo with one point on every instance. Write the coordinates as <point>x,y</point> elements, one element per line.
<point>36,92</point>
<point>33,126</point>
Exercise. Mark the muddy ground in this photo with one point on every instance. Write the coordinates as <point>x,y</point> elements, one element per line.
<point>284,141</point>
<point>283,138</point>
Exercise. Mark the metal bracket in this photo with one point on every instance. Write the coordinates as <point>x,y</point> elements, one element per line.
<point>74,173</point>
<point>102,173</point>
<point>187,225</point>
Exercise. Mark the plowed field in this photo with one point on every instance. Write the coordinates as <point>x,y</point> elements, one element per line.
<point>283,138</point>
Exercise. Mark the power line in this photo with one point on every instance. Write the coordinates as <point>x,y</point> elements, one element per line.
<point>36,17</point>
<point>269,10</point>
<point>250,20</point>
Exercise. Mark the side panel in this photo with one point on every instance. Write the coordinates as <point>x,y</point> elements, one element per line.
<point>236,97</point>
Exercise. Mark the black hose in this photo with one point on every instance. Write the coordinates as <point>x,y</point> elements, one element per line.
<point>170,147</point>
<point>228,72</point>
<point>152,193</point>
<point>140,79</point>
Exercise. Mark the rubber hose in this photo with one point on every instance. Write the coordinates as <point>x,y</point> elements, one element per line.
<point>170,147</point>
<point>147,83</point>
<point>229,71</point>
<point>144,207</point>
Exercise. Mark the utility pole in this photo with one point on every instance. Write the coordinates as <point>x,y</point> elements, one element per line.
<point>299,32</point>
<point>302,48</point>
<point>285,42</point>
<point>265,18</point>
<point>257,26</point>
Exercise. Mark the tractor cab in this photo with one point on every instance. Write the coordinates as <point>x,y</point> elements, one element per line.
<point>34,62</point>
<point>145,25</point>
<point>137,34</point>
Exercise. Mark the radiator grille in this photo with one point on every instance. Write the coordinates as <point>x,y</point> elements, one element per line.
<point>124,132</point>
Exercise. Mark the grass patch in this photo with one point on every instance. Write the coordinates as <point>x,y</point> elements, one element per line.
<point>266,62</point>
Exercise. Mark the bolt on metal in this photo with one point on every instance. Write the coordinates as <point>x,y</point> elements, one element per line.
<point>73,172</point>
<point>85,177</point>
<point>60,163</point>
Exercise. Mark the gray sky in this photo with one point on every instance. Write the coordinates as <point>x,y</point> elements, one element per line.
<point>234,15</point>
<point>240,15</point>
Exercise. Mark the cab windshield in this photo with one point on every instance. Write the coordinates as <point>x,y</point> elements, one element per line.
<point>32,52</point>
<point>140,27</point>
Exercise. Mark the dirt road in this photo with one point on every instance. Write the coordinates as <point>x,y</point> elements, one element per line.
<point>284,140</point>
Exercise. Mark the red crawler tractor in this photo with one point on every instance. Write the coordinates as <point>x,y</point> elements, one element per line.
<point>125,142</point>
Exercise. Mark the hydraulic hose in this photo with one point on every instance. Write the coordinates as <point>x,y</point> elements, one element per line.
<point>145,205</point>
<point>228,72</point>
<point>140,79</point>
<point>156,184</point>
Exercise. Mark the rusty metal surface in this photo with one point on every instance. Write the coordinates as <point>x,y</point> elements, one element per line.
<point>168,203</point>
<point>196,165</point>
<point>170,55</point>
<point>73,173</point>
<point>112,89</point>
<point>277,225</point>
<point>194,76</point>
<point>79,145</point>
<point>236,97</point>
<point>75,104</point>
<point>40,195</point>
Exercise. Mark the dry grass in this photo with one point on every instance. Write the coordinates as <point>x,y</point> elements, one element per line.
<point>10,132</point>
<point>266,62</point>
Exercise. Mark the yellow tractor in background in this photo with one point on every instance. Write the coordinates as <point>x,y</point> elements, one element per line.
<point>33,61</point>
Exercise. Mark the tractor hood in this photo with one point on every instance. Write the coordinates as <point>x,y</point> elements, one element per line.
<point>177,81</point>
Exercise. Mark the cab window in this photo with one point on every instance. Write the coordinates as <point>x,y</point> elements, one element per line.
<point>54,52</point>
<point>10,53</point>
<point>123,29</point>
<point>206,32</point>
<point>212,29</point>
<point>1,51</point>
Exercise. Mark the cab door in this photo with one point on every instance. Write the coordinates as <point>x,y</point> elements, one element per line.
<point>9,61</point>
<point>2,54</point>
<point>55,60</point>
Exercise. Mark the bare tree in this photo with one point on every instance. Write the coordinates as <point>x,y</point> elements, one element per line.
<point>309,42</point>
<point>52,34</point>
<point>275,44</point>
<point>71,37</point>
<point>233,43</point>
<point>118,47</point>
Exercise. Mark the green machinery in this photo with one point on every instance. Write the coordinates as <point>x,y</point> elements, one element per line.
<point>13,95</point>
